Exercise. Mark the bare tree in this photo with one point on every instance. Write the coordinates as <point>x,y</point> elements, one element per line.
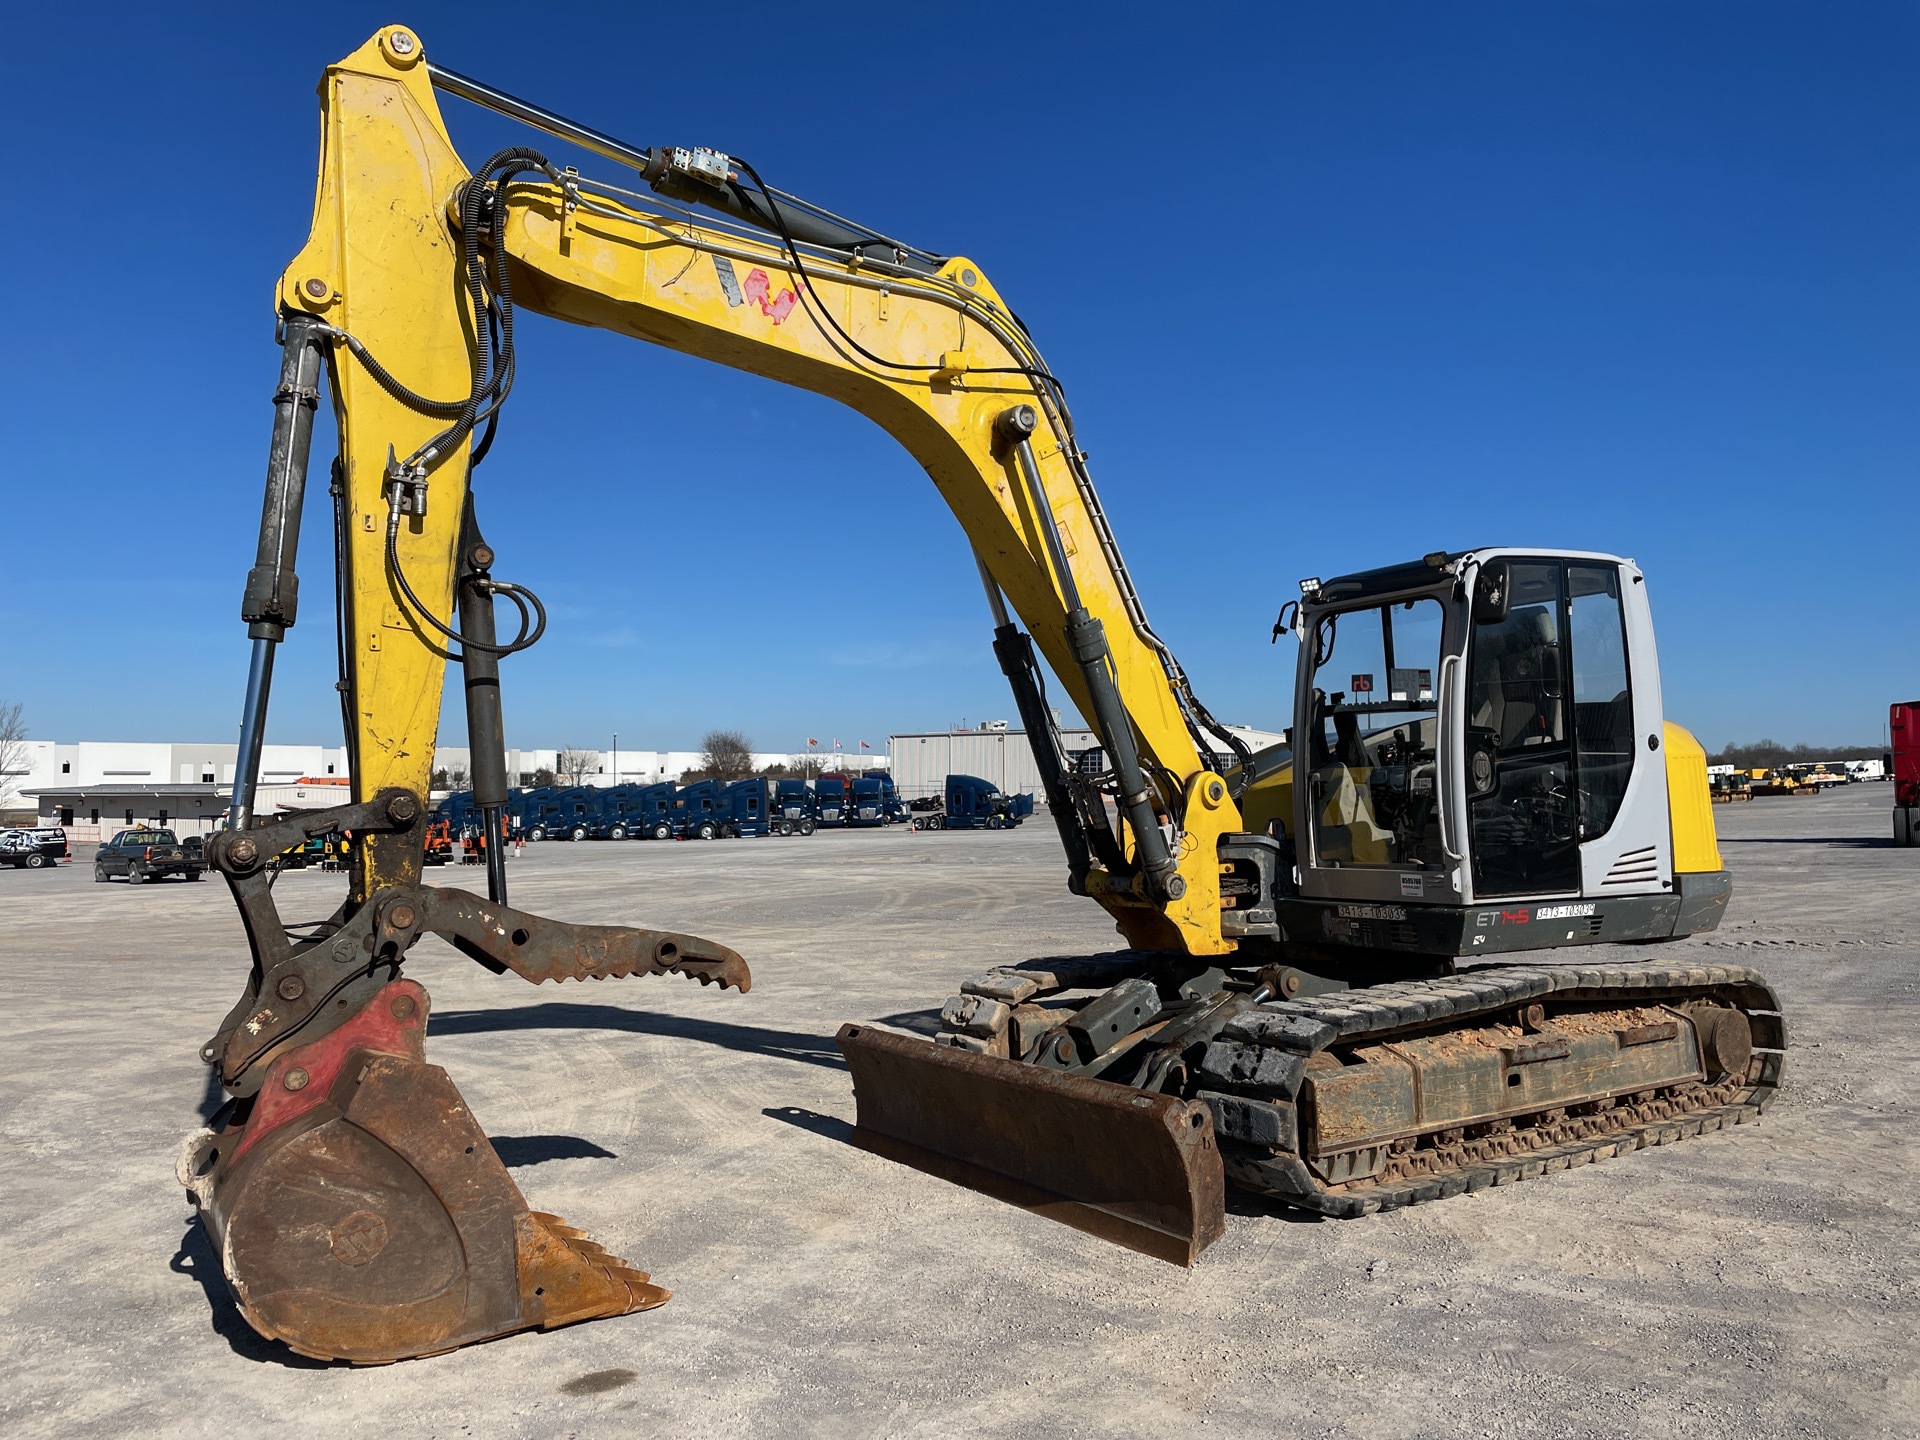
<point>726,755</point>
<point>806,767</point>
<point>457,777</point>
<point>575,765</point>
<point>13,748</point>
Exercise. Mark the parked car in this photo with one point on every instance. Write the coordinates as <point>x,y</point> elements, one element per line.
<point>145,854</point>
<point>34,848</point>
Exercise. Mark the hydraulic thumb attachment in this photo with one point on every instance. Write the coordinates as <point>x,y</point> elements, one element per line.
<point>359,1210</point>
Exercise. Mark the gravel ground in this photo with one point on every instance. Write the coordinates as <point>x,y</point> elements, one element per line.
<point>1759,1282</point>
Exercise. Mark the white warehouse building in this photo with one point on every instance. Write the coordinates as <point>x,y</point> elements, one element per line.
<point>95,786</point>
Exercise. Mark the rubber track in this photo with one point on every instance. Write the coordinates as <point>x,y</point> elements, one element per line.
<point>1260,1055</point>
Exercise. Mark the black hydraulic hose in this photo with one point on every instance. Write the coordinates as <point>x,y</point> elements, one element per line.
<point>533,623</point>
<point>825,312</point>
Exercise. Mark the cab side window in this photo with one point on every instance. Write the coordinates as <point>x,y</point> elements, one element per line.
<point>1602,695</point>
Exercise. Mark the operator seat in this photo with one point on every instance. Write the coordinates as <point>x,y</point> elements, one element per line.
<point>1516,678</point>
<point>1348,832</point>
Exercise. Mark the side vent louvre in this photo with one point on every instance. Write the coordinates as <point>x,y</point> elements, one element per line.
<point>1636,867</point>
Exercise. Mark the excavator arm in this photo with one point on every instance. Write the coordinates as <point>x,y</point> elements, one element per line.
<point>923,346</point>
<point>343,1158</point>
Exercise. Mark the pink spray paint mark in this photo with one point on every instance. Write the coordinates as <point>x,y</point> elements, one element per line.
<point>756,290</point>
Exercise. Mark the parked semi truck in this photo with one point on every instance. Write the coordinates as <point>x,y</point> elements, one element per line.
<point>561,814</point>
<point>967,802</point>
<point>1903,763</point>
<point>875,801</point>
<point>653,811</point>
<point>795,803</point>
<point>624,812</point>
<point>831,792</point>
<point>712,809</point>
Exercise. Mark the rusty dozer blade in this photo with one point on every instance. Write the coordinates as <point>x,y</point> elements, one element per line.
<point>362,1215</point>
<point>1131,1166</point>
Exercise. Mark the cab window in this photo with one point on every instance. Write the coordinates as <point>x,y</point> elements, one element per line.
<point>1602,695</point>
<point>1519,760</point>
<point>1374,734</point>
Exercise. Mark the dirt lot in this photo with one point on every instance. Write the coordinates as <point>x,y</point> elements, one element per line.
<point>1760,1282</point>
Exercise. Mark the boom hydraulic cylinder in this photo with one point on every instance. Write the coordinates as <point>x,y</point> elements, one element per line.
<point>480,668</point>
<point>272,596</point>
<point>1087,640</point>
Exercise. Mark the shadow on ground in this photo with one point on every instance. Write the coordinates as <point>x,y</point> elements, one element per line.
<point>825,1126</point>
<point>516,1150</point>
<point>921,1022</point>
<point>195,1258</point>
<point>780,1044</point>
<point>1248,1203</point>
<point>215,1097</point>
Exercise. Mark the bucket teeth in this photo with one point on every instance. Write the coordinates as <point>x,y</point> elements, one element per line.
<point>570,1278</point>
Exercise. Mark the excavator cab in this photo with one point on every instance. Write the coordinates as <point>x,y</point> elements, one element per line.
<point>1487,727</point>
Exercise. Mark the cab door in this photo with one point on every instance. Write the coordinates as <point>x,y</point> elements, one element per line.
<point>1367,755</point>
<point>1522,814</point>
<point>1626,842</point>
<point>1565,789</point>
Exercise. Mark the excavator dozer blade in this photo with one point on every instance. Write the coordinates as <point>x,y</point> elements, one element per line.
<point>362,1215</point>
<point>1131,1166</point>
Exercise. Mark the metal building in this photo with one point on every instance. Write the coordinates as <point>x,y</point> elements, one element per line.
<point>920,764</point>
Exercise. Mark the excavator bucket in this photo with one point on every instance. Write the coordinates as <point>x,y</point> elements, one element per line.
<point>1131,1166</point>
<point>362,1215</point>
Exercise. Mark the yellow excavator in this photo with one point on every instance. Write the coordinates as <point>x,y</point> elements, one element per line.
<point>1315,998</point>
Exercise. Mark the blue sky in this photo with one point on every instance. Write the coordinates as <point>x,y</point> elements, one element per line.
<point>1330,285</point>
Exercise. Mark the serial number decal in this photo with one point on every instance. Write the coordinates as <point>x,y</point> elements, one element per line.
<point>1373,912</point>
<point>1561,912</point>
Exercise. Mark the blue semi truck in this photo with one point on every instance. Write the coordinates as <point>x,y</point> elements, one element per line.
<point>970,803</point>
<point>560,815</point>
<point>710,810</point>
<point>795,803</point>
<point>653,811</point>
<point>875,801</point>
<point>624,812</point>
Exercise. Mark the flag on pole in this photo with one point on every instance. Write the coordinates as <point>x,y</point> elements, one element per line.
<point>811,742</point>
<point>865,746</point>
